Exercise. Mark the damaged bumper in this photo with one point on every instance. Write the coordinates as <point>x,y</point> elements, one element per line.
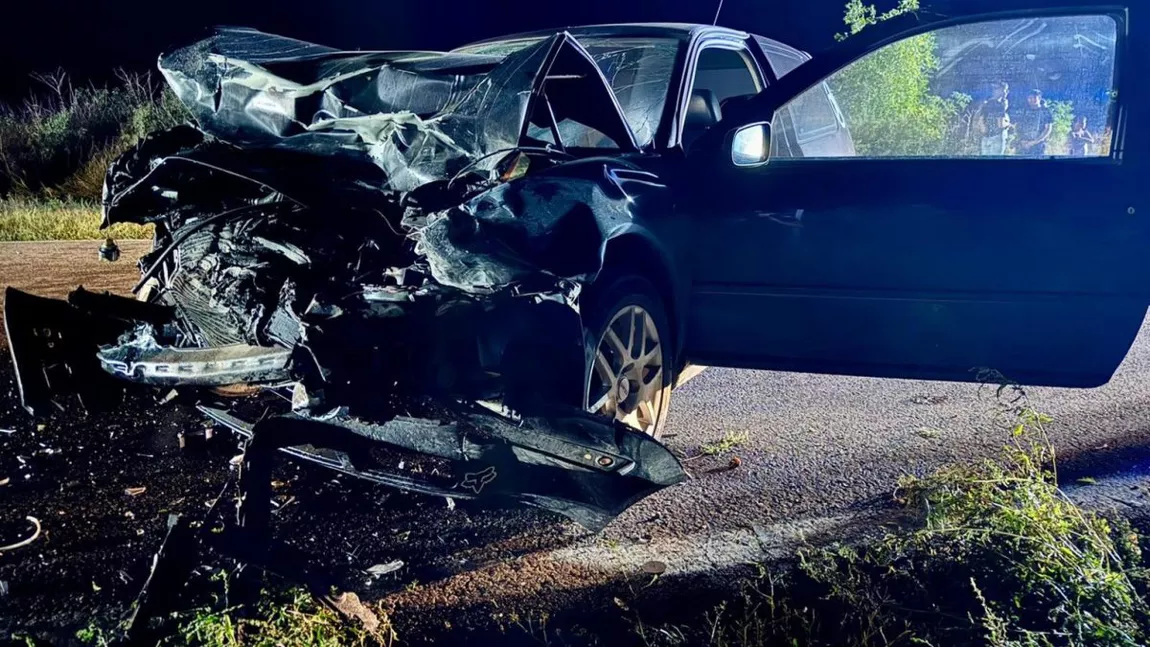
<point>570,463</point>
<point>54,345</point>
<point>143,360</point>
<point>559,458</point>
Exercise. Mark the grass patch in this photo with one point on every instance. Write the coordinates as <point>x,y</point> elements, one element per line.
<point>1001,557</point>
<point>283,616</point>
<point>726,444</point>
<point>29,219</point>
<point>291,617</point>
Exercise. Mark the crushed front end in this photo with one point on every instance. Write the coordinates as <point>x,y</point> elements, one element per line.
<point>388,264</point>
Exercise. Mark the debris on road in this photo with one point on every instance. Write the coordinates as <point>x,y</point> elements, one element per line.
<point>135,491</point>
<point>380,570</point>
<point>928,399</point>
<point>350,607</point>
<point>109,251</point>
<point>654,567</point>
<point>24,542</point>
<point>930,433</point>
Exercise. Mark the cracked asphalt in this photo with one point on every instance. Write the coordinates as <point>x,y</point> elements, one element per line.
<point>819,462</point>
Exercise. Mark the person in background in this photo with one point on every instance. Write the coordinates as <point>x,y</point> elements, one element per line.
<point>1081,140</point>
<point>992,120</point>
<point>1033,126</point>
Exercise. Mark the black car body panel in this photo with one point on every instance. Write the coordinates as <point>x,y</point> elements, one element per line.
<point>973,267</point>
<point>399,244</point>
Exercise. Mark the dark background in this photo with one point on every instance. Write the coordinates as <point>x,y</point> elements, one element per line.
<point>89,39</point>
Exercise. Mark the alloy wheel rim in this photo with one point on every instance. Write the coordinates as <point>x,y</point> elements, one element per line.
<point>626,380</point>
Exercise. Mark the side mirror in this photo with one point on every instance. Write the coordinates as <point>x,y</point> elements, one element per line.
<point>751,145</point>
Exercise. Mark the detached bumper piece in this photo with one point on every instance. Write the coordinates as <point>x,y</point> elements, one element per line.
<point>583,467</point>
<point>54,345</point>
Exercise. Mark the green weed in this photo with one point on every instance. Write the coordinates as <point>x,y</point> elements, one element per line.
<point>726,444</point>
<point>288,617</point>
<point>58,143</point>
<point>1000,557</point>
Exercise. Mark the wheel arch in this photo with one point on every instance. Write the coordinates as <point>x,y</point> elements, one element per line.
<point>636,252</point>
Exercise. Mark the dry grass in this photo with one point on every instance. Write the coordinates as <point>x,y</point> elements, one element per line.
<point>26,219</point>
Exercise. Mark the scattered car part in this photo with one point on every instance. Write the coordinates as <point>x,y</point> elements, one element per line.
<point>35,523</point>
<point>109,251</point>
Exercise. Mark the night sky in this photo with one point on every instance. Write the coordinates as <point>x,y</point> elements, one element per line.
<point>89,39</point>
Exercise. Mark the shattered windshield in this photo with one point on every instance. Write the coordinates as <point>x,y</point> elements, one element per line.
<point>638,69</point>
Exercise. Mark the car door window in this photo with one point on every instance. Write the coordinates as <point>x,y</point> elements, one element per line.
<point>726,73</point>
<point>1035,87</point>
<point>783,59</point>
<point>720,74</point>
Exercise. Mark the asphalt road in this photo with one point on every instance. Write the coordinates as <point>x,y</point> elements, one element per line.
<point>820,459</point>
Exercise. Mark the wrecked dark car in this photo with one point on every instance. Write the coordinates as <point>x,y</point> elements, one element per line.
<point>479,273</point>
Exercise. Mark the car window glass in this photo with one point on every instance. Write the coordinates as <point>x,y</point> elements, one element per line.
<point>637,69</point>
<point>813,115</point>
<point>783,59</point>
<point>574,134</point>
<point>1035,87</point>
<point>720,74</point>
<point>725,72</point>
<point>500,47</point>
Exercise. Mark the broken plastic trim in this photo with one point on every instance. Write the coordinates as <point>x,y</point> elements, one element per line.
<point>145,361</point>
<point>583,467</point>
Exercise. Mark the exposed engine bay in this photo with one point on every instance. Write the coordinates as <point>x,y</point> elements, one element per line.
<point>389,244</point>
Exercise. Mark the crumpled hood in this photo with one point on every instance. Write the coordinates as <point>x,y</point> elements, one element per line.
<point>419,116</point>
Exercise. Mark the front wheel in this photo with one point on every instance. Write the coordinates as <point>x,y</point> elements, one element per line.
<point>629,354</point>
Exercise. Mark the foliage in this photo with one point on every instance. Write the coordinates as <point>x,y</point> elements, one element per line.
<point>281,617</point>
<point>1059,141</point>
<point>1001,558</point>
<point>51,219</point>
<point>94,635</point>
<point>1004,558</point>
<point>725,444</point>
<point>859,16</point>
<point>59,144</point>
<point>894,80</point>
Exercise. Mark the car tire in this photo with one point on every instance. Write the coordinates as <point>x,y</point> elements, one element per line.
<point>628,343</point>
